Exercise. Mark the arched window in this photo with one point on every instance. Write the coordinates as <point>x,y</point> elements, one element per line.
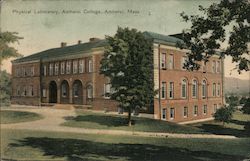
<point>184,88</point>
<point>194,88</point>
<point>90,91</point>
<point>64,90</point>
<point>204,89</point>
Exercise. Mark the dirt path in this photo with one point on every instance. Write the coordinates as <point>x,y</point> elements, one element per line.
<point>54,117</point>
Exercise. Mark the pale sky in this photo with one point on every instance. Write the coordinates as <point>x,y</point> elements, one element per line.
<point>87,18</point>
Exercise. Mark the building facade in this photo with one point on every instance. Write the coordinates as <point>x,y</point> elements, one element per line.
<point>70,75</point>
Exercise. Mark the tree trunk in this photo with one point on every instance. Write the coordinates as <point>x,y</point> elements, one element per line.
<point>129,117</point>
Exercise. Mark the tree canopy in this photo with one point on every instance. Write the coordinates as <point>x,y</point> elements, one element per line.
<point>224,114</point>
<point>128,63</point>
<point>6,51</point>
<point>209,31</point>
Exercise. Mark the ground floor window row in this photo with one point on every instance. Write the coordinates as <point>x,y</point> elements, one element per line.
<point>25,90</point>
<point>185,111</point>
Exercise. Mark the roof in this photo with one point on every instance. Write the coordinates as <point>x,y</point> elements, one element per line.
<point>84,47</point>
<point>63,51</point>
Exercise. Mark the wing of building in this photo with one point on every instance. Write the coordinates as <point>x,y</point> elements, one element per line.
<point>70,75</point>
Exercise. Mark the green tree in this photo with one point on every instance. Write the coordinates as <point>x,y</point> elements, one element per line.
<point>209,31</point>
<point>232,101</point>
<point>5,88</point>
<point>128,63</point>
<point>246,107</point>
<point>224,115</point>
<point>243,100</point>
<point>6,51</point>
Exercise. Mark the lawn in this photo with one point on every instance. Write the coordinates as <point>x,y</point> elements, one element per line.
<point>38,145</point>
<point>235,127</point>
<point>92,120</point>
<point>9,116</point>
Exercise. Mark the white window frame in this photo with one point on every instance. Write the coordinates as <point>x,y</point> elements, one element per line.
<point>107,90</point>
<point>184,82</point>
<point>195,110</point>
<point>163,90</point>
<point>215,107</point>
<point>171,90</point>
<point>56,68</point>
<point>51,68</point>
<point>183,61</point>
<point>163,60</point>
<point>204,89</point>
<point>204,109</point>
<point>164,114</point>
<point>44,92</point>
<point>81,65</point>
<point>185,112</point>
<point>172,113</point>
<point>90,65</point>
<point>194,88</point>
<point>90,91</point>
<point>68,67</point>
<point>214,89</point>
<point>218,92</point>
<point>75,66</point>
<point>62,67</point>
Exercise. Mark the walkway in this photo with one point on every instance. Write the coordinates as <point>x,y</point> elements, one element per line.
<point>54,117</point>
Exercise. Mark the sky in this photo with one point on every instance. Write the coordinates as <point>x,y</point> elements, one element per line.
<point>44,24</point>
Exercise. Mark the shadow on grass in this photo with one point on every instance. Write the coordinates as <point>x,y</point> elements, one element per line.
<point>111,121</point>
<point>238,122</point>
<point>74,149</point>
<point>220,130</point>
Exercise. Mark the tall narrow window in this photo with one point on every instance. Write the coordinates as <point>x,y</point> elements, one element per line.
<point>218,67</point>
<point>90,91</point>
<point>214,66</point>
<point>172,113</point>
<point>62,67</point>
<point>56,68</point>
<point>51,68</point>
<point>18,92</point>
<point>183,62</point>
<point>204,89</point>
<point>32,71</point>
<point>184,88</point>
<point>107,90</point>
<point>163,90</point>
<point>164,114</point>
<point>204,109</point>
<point>90,66</point>
<point>195,110</point>
<point>81,66</point>
<point>171,90</point>
<point>163,60</point>
<point>218,89</point>
<point>76,90</point>
<point>194,89</point>
<point>64,90</point>
<point>68,67</point>
<point>171,62</point>
<point>44,70</point>
<point>215,108</point>
<point>75,66</point>
<point>44,92</point>
<point>214,89</point>
<point>185,112</point>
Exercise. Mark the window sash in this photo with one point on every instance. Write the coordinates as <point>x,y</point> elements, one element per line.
<point>195,110</point>
<point>171,90</point>
<point>90,63</point>
<point>163,60</point>
<point>81,66</point>
<point>164,112</point>
<point>75,66</point>
<point>172,113</point>
<point>62,67</point>
<point>163,90</point>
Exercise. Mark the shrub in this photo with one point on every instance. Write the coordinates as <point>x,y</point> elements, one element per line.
<point>224,114</point>
<point>246,107</point>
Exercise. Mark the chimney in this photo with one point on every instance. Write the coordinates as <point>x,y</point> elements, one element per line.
<point>79,42</point>
<point>63,44</point>
<point>94,39</point>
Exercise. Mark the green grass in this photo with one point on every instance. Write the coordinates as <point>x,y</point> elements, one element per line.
<point>86,119</point>
<point>235,127</point>
<point>37,145</point>
<point>9,116</point>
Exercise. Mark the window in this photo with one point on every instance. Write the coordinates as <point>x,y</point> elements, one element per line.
<point>32,71</point>
<point>194,89</point>
<point>75,66</point>
<point>171,113</point>
<point>184,88</point>
<point>163,90</point>
<point>76,90</point>
<point>107,90</point>
<point>171,62</point>
<point>195,110</point>
<point>81,66</point>
<point>214,89</point>
<point>171,90</point>
<point>215,108</point>
<point>25,91</point>
<point>62,67</point>
<point>214,66</point>
<point>51,69</point>
<point>163,60</point>
<point>18,91</point>
<point>185,112</point>
<point>44,70</point>
<point>64,90</point>
<point>164,114</point>
<point>68,67</point>
<point>31,91</point>
<point>44,92</point>
<point>204,109</point>
<point>90,66</point>
<point>90,91</point>
<point>218,67</point>
<point>183,62</point>
<point>56,68</point>
<point>204,89</point>
<point>218,89</point>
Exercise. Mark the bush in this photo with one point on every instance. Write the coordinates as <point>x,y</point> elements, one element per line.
<point>247,127</point>
<point>224,114</point>
<point>246,107</point>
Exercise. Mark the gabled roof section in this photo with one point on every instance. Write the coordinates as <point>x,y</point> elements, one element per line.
<point>163,39</point>
<point>63,51</point>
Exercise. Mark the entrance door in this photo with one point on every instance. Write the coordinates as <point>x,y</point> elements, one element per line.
<point>52,92</point>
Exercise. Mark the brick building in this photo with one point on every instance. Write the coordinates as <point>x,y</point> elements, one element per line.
<point>70,75</point>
